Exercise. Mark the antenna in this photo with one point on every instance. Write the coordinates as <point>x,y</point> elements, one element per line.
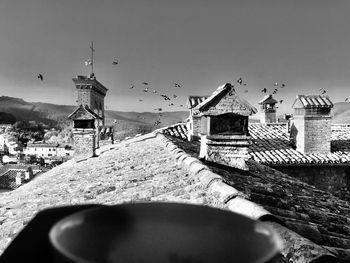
<point>92,57</point>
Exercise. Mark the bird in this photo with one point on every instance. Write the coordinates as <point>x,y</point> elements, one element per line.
<point>283,85</point>
<point>276,84</point>
<point>274,92</point>
<point>40,76</point>
<point>240,81</point>
<point>177,85</point>
<point>264,90</point>
<point>323,92</point>
<point>145,90</point>
<point>181,105</point>
<point>346,99</point>
<point>145,83</point>
<point>132,87</point>
<point>158,109</point>
<point>281,101</point>
<point>171,104</point>
<point>115,62</point>
<point>165,97</point>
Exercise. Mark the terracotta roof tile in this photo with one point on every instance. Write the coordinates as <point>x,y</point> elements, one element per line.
<point>312,101</point>
<point>193,101</point>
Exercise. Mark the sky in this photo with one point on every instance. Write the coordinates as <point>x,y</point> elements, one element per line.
<point>199,44</point>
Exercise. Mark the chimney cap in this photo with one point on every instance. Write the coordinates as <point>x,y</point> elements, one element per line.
<point>312,101</point>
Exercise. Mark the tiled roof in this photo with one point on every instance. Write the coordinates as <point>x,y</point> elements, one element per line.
<point>83,112</point>
<point>42,145</point>
<point>193,101</point>
<point>268,100</point>
<point>312,101</point>
<point>220,93</point>
<point>313,213</point>
<point>271,145</point>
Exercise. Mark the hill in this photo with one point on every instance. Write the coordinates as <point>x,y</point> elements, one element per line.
<point>126,123</point>
<point>341,113</point>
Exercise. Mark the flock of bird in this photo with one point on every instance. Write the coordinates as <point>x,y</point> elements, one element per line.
<point>146,89</point>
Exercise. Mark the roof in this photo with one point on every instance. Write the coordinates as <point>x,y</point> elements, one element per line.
<point>43,145</point>
<point>193,101</point>
<point>83,112</point>
<point>268,100</point>
<point>313,213</point>
<point>225,100</point>
<point>271,145</point>
<point>312,101</point>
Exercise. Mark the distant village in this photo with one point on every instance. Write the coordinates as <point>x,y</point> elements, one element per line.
<point>20,163</point>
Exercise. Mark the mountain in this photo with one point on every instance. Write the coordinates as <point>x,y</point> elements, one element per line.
<point>125,122</point>
<point>341,113</point>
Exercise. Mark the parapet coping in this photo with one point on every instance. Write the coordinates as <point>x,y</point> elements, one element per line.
<point>237,202</point>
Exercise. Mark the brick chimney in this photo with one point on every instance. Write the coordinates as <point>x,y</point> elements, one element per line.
<point>194,120</point>
<point>84,132</point>
<point>311,124</point>
<point>268,109</point>
<point>18,178</point>
<point>225,139</point>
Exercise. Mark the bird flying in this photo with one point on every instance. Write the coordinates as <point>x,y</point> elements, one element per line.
<point>240,81</point>
<point>281,101</point>
<point>132,87</point>
<point>145,90</point>
<point>145,83</point>
<point>177,85</point>
<point>346,99</point>
<point>40,76</point>
<point>264,90</point>
<point>115,62</point>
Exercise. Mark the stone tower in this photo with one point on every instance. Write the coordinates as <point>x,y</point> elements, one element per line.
<point>311,124</point>
<point>268,109</point>
<point>91,93</point>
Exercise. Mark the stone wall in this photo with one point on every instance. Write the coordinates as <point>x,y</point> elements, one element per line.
<point>84,97</point>
<point>230,153</point>
<point>312,134</point>
<point>84,143</point>
<point>332,178</point>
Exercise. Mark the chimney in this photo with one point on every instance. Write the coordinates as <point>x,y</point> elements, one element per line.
<point>28,174</point>
<point>19,178</point>
<point>311,124</point>
<point>268,109</point>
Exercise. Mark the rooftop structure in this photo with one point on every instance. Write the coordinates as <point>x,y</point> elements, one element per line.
<point>311,124</point>
<point>268,109</point>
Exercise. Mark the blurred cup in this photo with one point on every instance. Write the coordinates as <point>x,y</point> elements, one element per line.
<point>162,232</point>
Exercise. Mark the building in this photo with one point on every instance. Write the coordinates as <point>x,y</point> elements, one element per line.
<point>13,176</point>
<point>48,150</point>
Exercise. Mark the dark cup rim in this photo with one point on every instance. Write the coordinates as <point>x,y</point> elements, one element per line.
<point>277,243</point>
